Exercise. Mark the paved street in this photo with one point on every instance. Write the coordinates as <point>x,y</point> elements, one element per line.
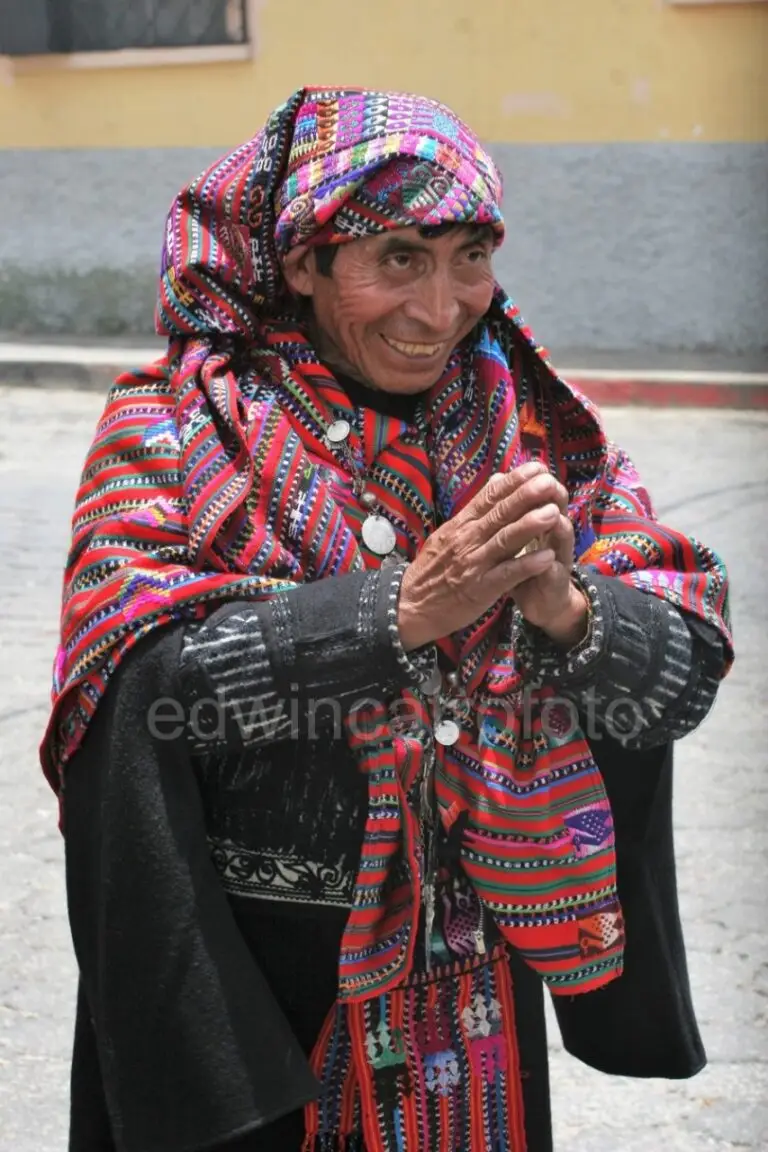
<point>709,475</point>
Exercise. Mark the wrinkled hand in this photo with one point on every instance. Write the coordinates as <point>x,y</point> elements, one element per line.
<point>475,558</point>
<point>550,599</point>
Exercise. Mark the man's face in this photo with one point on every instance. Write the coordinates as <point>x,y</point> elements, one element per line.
<point>396,305</point>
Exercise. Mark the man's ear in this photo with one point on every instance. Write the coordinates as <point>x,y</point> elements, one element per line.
<point>299,270</point>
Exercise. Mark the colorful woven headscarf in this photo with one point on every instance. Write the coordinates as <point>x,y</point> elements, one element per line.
<point>210,478</point>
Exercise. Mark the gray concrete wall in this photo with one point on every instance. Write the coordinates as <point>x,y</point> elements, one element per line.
<point>610,247</point>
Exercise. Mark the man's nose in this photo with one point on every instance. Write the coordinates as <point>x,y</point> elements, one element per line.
<point>435,305</point>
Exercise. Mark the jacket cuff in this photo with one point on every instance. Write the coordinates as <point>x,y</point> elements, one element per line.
<point>340,637</point>
<point>419,666</point>
<point>544,661</point>
<point>626,647</point>
<point>644,671</point>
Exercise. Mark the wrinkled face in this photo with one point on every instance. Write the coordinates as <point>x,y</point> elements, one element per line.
<point>396,305</point>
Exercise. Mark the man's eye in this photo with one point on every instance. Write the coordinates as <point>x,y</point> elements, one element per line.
<point>400,260</point>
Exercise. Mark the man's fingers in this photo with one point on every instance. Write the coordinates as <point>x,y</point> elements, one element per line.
<point>543,489</point>
<point>508,495</point>
<point>539,490</point>
<point>510,573</point>
<point>504,484</point>
<point>563,529</point>
<point>561,538</point>
<point>510,540</point>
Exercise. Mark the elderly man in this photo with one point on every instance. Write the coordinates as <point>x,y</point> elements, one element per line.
<point>372,657</point>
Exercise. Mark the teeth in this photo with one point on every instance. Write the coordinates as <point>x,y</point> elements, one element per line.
<point>414,349</point>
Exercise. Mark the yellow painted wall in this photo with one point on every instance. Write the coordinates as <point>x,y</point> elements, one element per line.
<point>517,70</point>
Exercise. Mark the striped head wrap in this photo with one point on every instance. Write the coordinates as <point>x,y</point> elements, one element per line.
<point>204,464</point>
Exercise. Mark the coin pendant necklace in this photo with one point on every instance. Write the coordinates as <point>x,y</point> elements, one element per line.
<point>379,536</point>
<point>378,533</point>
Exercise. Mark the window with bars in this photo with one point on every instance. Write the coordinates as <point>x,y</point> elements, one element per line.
<point>36,27</point>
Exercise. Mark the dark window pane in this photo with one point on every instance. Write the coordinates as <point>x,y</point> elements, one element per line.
<point>28,26</point>
<point>24,27</point>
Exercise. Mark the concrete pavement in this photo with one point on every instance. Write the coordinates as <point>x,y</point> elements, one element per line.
<point>709,475</point>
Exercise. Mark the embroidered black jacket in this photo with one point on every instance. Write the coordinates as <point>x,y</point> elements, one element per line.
<point>208,878</point>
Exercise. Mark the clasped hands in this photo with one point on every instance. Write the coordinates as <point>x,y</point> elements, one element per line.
<point>477,557</point>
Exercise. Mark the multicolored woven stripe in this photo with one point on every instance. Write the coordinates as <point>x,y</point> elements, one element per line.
<point>209,479</point>
<point>434,1065</point>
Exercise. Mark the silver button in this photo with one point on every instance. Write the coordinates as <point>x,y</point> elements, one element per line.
<point>379,535</point>
<point>338,431</point>
<point>447,732</point>
<point>367,498</point>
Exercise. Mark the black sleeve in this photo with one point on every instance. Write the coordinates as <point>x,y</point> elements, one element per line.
<point>191,1046</point>
<point>295,665</point>
<point>646,672</point>
<point>642,1024</point>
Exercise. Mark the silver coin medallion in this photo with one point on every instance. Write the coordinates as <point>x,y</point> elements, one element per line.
<point>447,732</point>
<point>379,535</point>
<point>338,432</point>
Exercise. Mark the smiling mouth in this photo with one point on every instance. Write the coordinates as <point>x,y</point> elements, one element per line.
<point>414,351</point>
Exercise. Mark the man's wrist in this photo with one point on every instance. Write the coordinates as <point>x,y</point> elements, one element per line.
<point>410,625</point>
<point>571,626</point>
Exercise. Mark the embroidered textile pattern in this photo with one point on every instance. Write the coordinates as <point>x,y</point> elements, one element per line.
<point>272,875</point>
<point>209,479</point>
<point>433,1065</point>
